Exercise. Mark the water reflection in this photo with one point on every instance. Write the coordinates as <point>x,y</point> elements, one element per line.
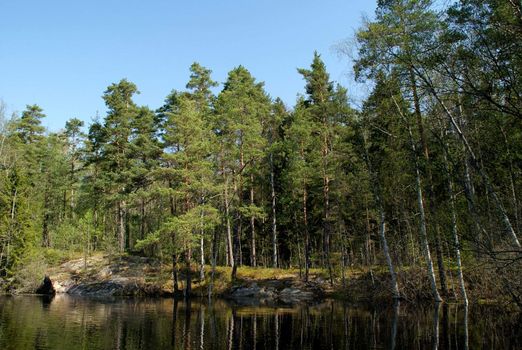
<point>66,323</point>
<point>396,308</point>
<point>46,300</point>
<point>466,334</point>
<point>436,309</point>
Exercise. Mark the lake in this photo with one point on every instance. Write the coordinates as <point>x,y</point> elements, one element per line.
<point>64,322</point>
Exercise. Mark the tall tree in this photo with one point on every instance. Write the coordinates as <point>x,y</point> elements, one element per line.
<point>240,107</point>
<point>299,174</point>
<point>145,152</point>
<point>117,148</point>
<point>74,137</point>
<point>319,92</point>
<point>401,31</point>
<point>273,127</point>
<point>379,134</point>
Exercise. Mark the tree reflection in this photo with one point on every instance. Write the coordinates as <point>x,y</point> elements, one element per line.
<point>192,324</point>
<point>436,310</point>
<point>466,335</point>
<point>186,325</point>
<point>396,307</point>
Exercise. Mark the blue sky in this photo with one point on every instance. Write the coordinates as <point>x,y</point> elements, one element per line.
<point>62,55</point>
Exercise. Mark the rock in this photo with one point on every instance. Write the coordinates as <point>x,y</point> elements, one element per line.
<point>118,286</point>
<point>266,293</point>
<point>271,292</point>
<point>62,286</point>
<point>46,287</point>
<point>295,295</point>
<point>104,273</point>
<point>246,292</point>
<point>287,291</point>
<point>98,289</point>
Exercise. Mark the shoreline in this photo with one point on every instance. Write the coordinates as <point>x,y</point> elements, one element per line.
<point>101,276</point>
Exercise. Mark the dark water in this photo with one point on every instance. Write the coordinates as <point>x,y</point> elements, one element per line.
<point>70,323</point>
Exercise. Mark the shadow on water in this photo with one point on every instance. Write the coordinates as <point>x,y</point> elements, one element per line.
<point>46,300</point>
<point>66,322</point>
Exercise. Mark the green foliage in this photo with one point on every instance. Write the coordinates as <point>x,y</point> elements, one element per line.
<point>29,127</point>
<point>28,273</point>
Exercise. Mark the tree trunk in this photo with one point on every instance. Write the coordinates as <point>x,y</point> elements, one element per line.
<point>382,223</point>
<point>431,203</point>
<point>238,189</point>
<point>343,264</point>
<point>326,211</point>
<point>236,245</point>
<point>299,255</point>
<point>253,261</point>
<point>423,233</point>
<point>418,115</point>
<point>274,222</point>
<point>326,227</point>
<point>215,244</point>
<point>454,232</point>
<point>420,204</point>
<point>440,259</point>
<point>306,234</point>
<point>202,246</point>
<point>175,273</point>
<point>121,226</point>
<point>385,249</point>
<point>201,258</point>
<point>230,251</point>
<point>239,247</point>
<point>188,277</point>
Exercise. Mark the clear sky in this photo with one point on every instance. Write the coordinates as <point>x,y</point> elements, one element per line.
<point>62,55</point>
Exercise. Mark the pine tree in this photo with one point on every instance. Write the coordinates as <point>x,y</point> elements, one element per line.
<point>240,108</point>
<point>74,137</point>
<point>117,150</point>
<point>29,128</point>
<point>300,174</point>
<point>319,92</point>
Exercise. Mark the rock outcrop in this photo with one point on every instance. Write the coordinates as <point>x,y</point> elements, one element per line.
<point>274,291</point>
<point>101,277</point>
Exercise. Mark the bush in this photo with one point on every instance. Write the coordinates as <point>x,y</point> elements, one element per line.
<point>30,272</point>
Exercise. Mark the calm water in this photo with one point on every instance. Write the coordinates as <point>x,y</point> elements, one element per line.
<point>29,322</point>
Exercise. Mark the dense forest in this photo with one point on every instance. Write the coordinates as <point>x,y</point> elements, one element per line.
<point>426,173</point>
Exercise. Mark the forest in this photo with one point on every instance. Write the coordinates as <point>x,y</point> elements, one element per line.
<point>424,176</point>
